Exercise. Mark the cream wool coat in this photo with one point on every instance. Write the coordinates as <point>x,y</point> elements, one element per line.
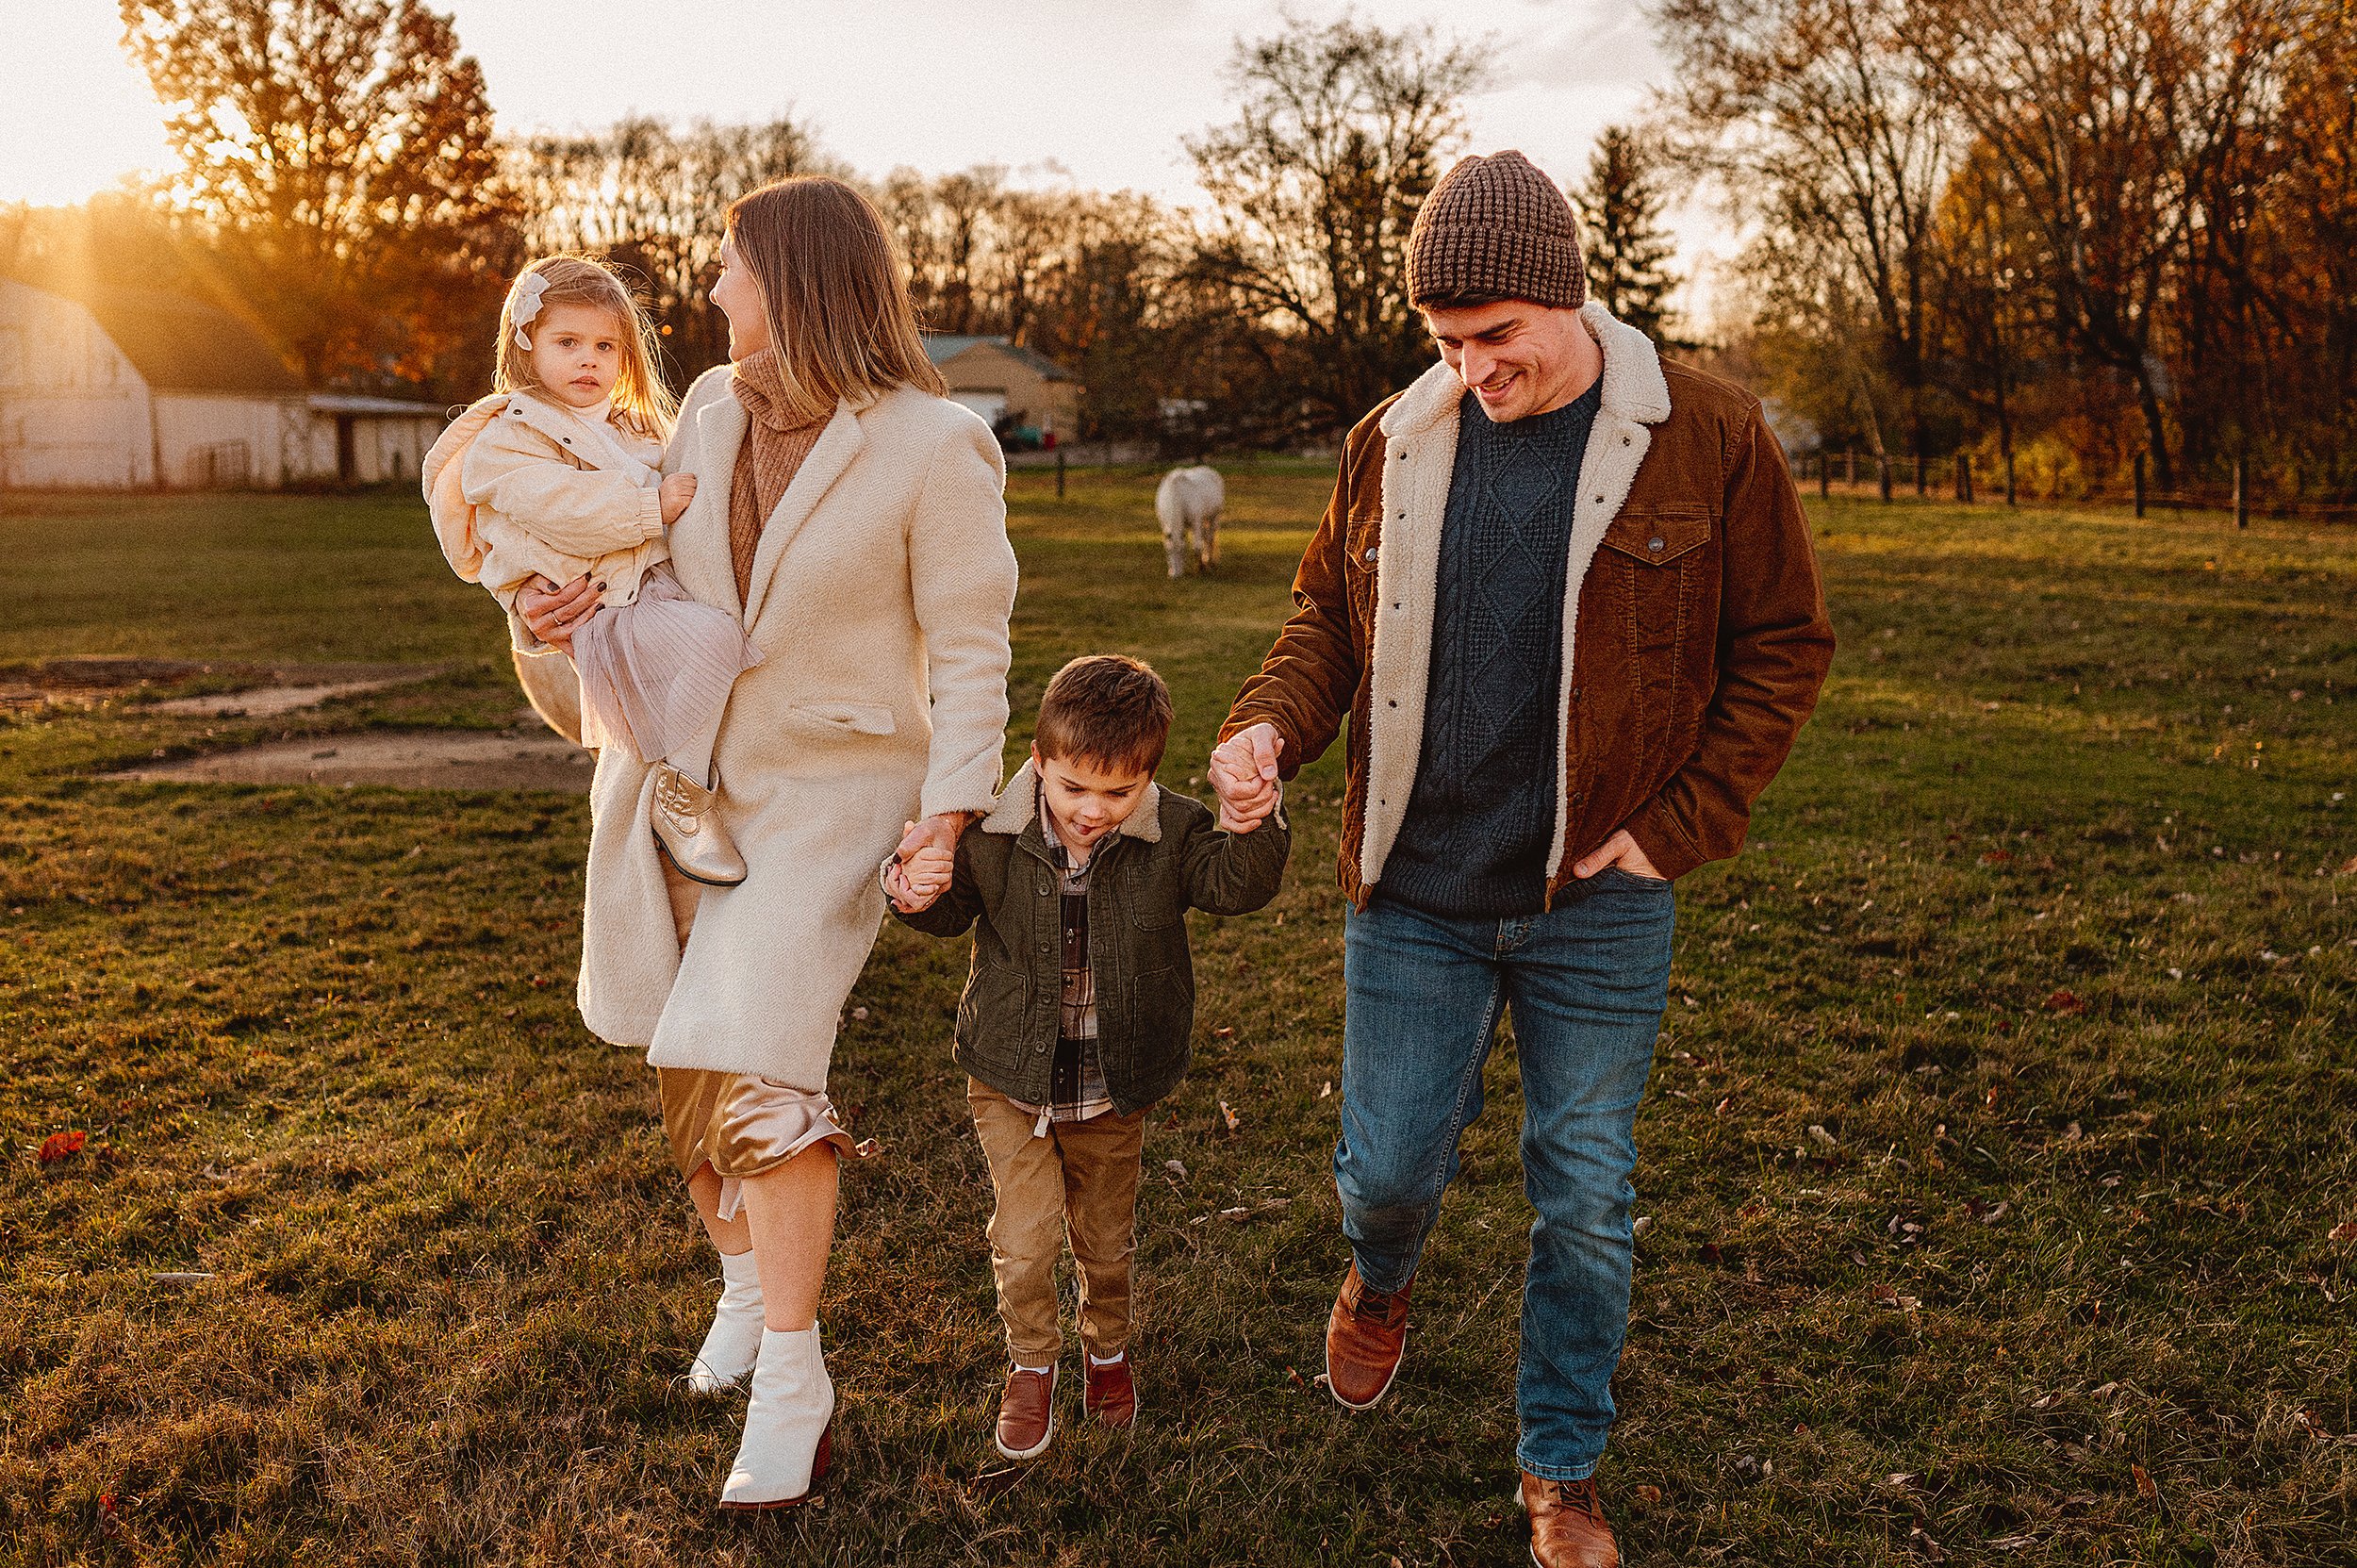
<point>879,600</point>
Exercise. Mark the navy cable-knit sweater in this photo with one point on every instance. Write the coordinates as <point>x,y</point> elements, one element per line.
<point>1482,818</point>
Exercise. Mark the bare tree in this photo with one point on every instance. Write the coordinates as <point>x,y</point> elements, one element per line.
<point>1814,115</point>
<point>1341,132</point>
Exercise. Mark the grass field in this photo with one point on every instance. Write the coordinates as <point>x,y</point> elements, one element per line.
<point>2000,1126</point>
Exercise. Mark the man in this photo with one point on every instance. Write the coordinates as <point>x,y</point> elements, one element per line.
<point>1565,596</point>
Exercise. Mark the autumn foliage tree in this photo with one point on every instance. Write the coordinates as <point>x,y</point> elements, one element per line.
<point>341,154</point>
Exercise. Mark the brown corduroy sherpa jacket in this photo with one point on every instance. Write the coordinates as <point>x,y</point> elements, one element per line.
<point>1694,629</point>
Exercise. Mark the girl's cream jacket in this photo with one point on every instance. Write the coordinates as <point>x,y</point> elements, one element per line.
<point>880,599</point>
<point>519,487</point>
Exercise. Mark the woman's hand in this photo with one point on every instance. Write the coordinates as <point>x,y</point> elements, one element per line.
<point>941,831</point>
<point>556,614</point>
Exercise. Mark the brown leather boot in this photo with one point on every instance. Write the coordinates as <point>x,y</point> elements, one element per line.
<point>1568,1528</point>
<point>1113,1393</point>
<point>1364,1337</point>
<point>1027,1413</point>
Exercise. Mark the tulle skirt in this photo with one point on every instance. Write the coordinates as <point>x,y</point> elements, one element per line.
<point>655,673</point>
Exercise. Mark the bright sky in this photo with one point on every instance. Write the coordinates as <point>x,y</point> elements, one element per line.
<point>1103,88</point>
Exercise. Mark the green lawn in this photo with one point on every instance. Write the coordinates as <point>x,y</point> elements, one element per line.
<point>2002,1119</point>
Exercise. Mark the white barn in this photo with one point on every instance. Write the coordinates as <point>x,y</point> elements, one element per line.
<point>123,391</point>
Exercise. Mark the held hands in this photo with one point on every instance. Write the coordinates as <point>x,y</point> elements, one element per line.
<point>1242,773</point>
<point>927,859</point>
<point>556,614</point>
<point>675,493</point>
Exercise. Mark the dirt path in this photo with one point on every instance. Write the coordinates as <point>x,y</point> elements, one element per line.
<point>410,759</point>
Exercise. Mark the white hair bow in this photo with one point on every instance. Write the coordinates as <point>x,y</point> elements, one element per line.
<point>523,303</point>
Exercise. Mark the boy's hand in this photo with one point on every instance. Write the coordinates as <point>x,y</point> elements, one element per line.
<point>1243,819</point>
<point>675,493</point>
<point>1242,772</point>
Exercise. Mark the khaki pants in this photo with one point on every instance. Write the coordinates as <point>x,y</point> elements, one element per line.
<point>1079,1180</point>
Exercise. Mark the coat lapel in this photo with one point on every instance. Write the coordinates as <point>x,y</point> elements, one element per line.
<point>837,445</point>
<point>700,540</point>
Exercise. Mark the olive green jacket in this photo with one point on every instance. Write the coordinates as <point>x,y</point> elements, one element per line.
<point>1169,857</point>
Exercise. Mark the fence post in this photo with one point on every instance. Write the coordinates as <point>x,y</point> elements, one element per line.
<point>2010,490</point>
<point>1849,468</point>
<point>1882,462</point>
<point>2242,488</point>
<point>1059,473</point>
<point>1824,472</point>
<point>1922,475</point>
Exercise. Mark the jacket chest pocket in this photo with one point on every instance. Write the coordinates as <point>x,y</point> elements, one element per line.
<point>1661,555</point>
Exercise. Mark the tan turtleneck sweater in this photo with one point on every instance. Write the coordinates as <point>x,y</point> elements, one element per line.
<point>766,463</point>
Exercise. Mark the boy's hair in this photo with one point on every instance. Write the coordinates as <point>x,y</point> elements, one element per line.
<point>642,403</point>
<point>1106,708</point>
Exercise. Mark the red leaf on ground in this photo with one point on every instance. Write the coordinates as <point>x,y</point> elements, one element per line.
<point>58,1145</point>
<point>2346,1231</point>
<point>2145,1488</point>
<point>1996,857</point>
<point>2066,1002</point>
<point>1649,1495</point>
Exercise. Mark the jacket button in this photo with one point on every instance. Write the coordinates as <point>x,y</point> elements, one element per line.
<point>1037,1050</point>
<point>1654,545</point>
<point>1371,553</point>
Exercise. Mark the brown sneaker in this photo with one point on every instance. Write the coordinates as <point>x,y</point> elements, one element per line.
<point>1568,1528</point>
<point>1364,1340</point>
<point>1112,1395</point>
<point>1027,1413</point>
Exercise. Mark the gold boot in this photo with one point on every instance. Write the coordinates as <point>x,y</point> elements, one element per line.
<point>690,833</point>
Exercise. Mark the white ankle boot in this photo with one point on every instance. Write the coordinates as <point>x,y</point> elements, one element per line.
<point>726,1358</point>
<point>786,1441</point>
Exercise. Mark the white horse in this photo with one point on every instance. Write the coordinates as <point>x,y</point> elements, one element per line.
<point>1187,501</point>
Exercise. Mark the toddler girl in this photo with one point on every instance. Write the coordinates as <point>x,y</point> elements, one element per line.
<point>557,475</point>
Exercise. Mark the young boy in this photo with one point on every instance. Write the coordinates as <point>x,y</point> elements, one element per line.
<point>1078,1013</point>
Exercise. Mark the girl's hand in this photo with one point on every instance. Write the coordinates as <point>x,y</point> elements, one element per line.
<point>556,614</point>
<point>675,493</point>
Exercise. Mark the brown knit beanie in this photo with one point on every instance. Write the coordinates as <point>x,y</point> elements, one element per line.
<point>1496,225</point>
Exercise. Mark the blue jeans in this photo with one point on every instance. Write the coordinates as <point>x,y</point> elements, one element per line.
<point>1586,982</point>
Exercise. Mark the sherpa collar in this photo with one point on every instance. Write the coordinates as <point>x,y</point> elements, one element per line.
<point>1018,807</point>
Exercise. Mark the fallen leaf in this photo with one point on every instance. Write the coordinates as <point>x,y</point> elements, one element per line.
<point>1649,1495</point>
<point>1230,1114</point>
<point>2345,1232</point>
<point>860,1012</point>
<point>2145,1488</point>
<point>1996,857</point>
<point>1824,1137</point>
<point>2066,1002</point>
<point>59,1146</point>
<point>1327,1090</point>
<point>2013,1543</point>
<point>1177,1168</point>
<point>1224,1032</point>
<point>1996,1212</point>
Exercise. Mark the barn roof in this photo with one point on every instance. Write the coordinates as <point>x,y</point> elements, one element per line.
<point>178,344</point>
<point>942,347</point>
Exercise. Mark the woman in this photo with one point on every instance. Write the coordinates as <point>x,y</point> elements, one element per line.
<point>853,518</point>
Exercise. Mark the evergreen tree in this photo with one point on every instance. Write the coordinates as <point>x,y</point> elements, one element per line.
<point>1627,250</point>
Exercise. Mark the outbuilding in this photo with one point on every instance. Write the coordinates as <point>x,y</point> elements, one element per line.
<point>121,389</point>
<point>1024,394</point>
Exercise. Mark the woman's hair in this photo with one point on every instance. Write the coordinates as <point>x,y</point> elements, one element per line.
<point>641,400</point>
<point>835,294</point>
<point>1106,708</point>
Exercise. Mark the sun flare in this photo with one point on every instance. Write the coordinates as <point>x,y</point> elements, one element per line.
<point>76,115</point>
